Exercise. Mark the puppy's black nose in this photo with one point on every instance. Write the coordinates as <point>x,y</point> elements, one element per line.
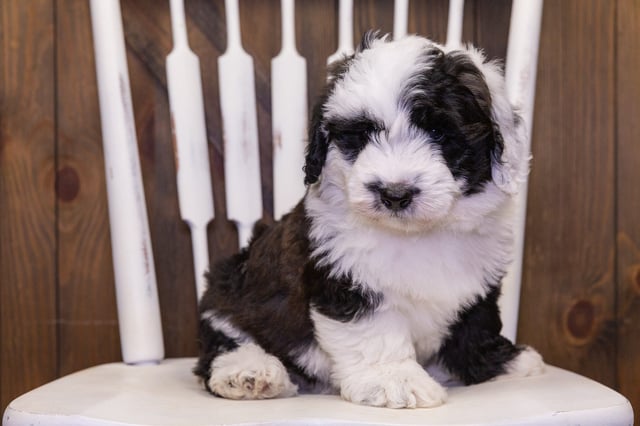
<point>396,197</point>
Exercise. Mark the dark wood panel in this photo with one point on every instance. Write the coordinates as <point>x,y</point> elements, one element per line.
<point>371,15</point>
<point>628,199</point>
<point>317,39</point>
<point>568,295</point>
<point>492,27</point>
<point>27,206</point>
<point>88,326</point>
<point>429,18</point>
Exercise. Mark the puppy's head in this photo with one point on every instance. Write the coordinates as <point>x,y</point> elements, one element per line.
<point>412,136</point>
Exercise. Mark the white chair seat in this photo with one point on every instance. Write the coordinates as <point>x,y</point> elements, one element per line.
<point>168,394</point>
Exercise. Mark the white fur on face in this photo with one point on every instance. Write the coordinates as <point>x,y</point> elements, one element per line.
<point>374,87</point>
<point>376,80</point>
<point>401,156</point>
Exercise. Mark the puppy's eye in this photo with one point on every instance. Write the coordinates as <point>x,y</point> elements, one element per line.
<point>351,136</point>
<point>351,143</point>
<point>436,134</point>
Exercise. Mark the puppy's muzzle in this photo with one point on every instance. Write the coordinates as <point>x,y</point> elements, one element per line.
<point>395,196</point>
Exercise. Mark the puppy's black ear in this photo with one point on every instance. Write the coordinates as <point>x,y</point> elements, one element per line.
<point>471,76</point>
<point>471,95</point>
<point>503,131</point>
<point>318,145</point>
<point>368,38</point>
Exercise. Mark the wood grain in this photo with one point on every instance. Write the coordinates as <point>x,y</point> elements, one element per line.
<point>628,200</point>
<point>491,33</point>
<point>88,324</point>
<point>429,19</point>
<point>317,39</point>
<point>29,354</point>
<point>568,296</point>
<point>371,15</point>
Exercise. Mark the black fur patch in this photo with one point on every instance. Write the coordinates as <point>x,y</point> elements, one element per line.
<point>318,145</point>
<point>267,290</point>
<point>351,135</point>
<point>339,299</point>
<point>475,351</point>
<point>453,101</point>
<point>212,344</point>
<point>367,40</point>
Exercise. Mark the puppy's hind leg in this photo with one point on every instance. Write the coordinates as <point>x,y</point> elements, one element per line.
<point>248,372</point>
<point>475,351</point>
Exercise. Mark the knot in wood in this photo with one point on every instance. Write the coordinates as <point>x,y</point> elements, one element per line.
<point>580,320</point>
<point>67,184</point>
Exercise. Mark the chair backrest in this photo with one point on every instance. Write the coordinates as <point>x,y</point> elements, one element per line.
<point>136,292</point>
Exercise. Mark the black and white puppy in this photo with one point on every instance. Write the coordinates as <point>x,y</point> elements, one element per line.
<point>393,260</point>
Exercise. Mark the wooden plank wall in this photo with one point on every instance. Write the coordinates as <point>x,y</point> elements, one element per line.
<point>28,232</point>
<point>627,161</point>
<point>570,275</point>
<point>581,289</point>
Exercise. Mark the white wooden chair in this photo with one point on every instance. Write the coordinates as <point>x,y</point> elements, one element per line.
<point>149,390</point>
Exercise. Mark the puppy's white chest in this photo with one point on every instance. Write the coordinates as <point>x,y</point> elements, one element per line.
<point>441,269</point>
<point>427,323</point>
<point>427,281</point>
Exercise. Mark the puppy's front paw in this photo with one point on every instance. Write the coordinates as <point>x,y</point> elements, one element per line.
<point>250,373</point>
<point>397,385</point>
<point>528,363</point>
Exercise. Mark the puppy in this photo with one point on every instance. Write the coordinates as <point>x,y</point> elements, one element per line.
<point>393,259</point>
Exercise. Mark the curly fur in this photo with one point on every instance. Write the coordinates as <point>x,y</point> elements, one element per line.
<point>393,259</point>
